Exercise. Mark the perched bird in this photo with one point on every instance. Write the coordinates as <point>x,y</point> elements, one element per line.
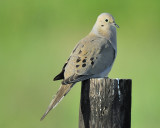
<point>92,57</point>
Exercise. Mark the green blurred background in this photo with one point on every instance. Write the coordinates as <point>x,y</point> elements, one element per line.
<point>37,37</point>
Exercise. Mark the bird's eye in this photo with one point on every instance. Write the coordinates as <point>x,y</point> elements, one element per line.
<point>106,20</point>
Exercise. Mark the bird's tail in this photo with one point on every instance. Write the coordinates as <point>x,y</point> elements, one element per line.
<point>63,90</point>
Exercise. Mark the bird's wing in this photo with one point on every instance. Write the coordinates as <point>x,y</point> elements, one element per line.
<point>92,56</point>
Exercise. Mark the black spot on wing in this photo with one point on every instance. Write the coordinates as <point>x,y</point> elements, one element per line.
<point>92,63</point>
<point>83,65</point>
<point>92,58</point>
<point>77,66</point>
<point>84,61</point>
<point>78,60</point>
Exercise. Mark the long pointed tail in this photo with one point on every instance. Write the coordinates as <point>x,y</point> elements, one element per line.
<point>63,90</point>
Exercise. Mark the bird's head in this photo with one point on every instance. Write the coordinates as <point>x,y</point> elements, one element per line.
<point>105,24</point>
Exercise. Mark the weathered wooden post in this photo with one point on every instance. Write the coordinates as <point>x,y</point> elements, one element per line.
<point>105,103</point>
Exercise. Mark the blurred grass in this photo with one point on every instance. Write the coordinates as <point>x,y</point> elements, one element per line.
<point>36,38</point>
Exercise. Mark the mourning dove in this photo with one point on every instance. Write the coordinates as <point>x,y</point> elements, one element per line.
<point>92,57</point>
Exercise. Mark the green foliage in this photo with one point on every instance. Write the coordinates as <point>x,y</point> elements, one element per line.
<point>36,38</point>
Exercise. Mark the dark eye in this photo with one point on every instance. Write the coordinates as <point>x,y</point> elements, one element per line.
<point>106,20</point>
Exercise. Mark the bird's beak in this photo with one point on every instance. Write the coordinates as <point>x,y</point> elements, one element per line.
<point>116,25</point>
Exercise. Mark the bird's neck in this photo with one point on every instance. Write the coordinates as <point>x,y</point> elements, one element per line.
<point>109,33</point>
